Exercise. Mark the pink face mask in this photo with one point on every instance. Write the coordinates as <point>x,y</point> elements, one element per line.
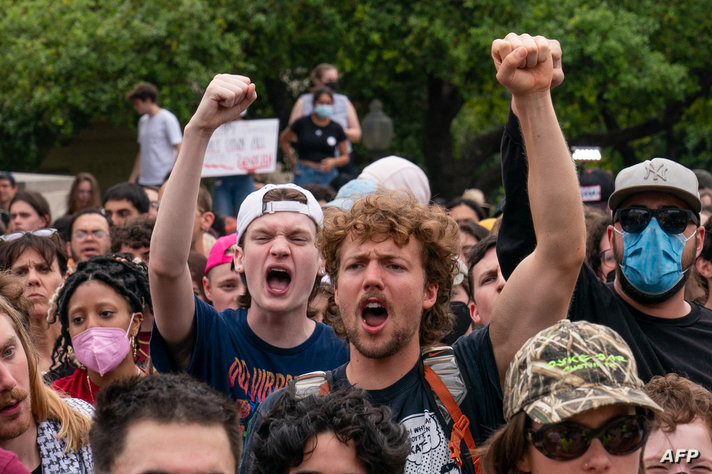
<point>102,349</point>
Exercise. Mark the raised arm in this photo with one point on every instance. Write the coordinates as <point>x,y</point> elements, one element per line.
<point>171,287</point>
<point>539,290</point>
<point>516,238</point>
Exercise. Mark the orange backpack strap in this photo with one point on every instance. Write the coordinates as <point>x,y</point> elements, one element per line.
<point>460,427</point>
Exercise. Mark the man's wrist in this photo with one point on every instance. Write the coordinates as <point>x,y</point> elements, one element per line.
<point>194,130</point>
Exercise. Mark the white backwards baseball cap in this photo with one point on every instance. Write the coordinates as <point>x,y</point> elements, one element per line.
<point>253,207</point>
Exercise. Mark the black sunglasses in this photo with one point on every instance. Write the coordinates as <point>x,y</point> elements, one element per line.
<point>672,220</point>
<point>568,440</point>
<point>45,232</point>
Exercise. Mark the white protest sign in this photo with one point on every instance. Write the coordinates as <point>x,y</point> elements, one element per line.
<point>242,146</point>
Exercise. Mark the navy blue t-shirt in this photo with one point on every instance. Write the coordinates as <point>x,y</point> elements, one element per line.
<point>231,358</point>
<point>412,403</point>
<point>314,143</point>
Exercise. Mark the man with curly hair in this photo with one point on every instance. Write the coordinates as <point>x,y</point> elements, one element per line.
<point>340,430</point>
<point>134,237</point>
<point>392,263</point>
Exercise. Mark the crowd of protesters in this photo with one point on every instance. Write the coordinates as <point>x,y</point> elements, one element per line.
<point>360,325</point>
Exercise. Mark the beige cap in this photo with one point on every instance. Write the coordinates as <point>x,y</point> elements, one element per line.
<point>657,175</point>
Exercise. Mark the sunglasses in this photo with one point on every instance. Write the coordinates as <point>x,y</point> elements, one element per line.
<point>671,219</point>
<point>565,441</point>
<point>46,232</point>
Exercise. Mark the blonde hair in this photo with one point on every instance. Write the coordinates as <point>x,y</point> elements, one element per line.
<point>46,403</point>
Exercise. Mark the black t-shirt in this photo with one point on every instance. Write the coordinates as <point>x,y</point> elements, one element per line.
<point>660,345</point>
<point>413,404</point>
<point>314,143</point>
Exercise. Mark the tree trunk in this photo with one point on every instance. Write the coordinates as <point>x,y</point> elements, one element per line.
<point>444,103</point>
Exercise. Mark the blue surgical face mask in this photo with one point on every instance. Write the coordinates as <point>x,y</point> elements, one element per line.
<point>324,110</point>
<point>652,259</point>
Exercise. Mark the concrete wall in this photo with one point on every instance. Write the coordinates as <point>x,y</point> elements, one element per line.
<point>54,188</point>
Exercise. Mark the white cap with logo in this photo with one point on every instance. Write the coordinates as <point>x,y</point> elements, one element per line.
<point>657,175</point>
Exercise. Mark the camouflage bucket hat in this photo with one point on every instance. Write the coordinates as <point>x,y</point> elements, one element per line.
<point>569,368</point>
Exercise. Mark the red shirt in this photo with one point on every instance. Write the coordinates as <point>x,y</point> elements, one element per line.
<point>144,341</point>
<point>9,464</point>
<point>78,385</point>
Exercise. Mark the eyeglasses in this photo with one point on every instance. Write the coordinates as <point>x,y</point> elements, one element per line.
<point>45,232</point>
<point>97,234</point>
<point>608,258</point>
<point>672,220</point>
<point>568,440</point>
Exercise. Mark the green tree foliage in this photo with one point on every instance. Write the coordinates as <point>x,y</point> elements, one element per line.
<point>637,73</point>
<point>66,63</point>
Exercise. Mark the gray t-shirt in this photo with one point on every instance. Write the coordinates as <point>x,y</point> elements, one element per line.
<point>157,136</point>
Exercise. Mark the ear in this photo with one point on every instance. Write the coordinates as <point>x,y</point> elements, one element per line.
<point>239,257</point>
<point>474,314</point>
<point>206,220</point>
<point>704,267</point>
<point>206,288</point>
<point>611,231</point>
<point>700,239</point>
<point>472,308</point>
<point>136,324</point>
<point>431,295</point>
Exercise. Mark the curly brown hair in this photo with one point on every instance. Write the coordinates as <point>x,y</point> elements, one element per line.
<point>682,401</point>
<point>395,216</point>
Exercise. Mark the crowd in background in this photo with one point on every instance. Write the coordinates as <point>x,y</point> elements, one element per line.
<point>559,330</point>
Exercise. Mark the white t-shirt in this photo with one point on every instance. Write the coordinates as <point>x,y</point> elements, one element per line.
<point>157,136</point>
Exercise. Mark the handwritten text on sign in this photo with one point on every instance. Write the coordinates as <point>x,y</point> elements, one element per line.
<point>242,146</point>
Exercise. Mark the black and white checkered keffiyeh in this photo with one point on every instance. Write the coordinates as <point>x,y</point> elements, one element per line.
<point>54,459</point>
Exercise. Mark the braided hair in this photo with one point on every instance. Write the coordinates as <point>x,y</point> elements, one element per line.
<point>127,277</point>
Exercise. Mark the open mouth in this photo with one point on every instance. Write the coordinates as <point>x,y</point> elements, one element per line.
<point>10,407</point>
<point>374,314</point>
<point>278,280</point>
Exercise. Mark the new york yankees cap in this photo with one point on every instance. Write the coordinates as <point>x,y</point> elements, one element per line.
<point>657,175</point>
